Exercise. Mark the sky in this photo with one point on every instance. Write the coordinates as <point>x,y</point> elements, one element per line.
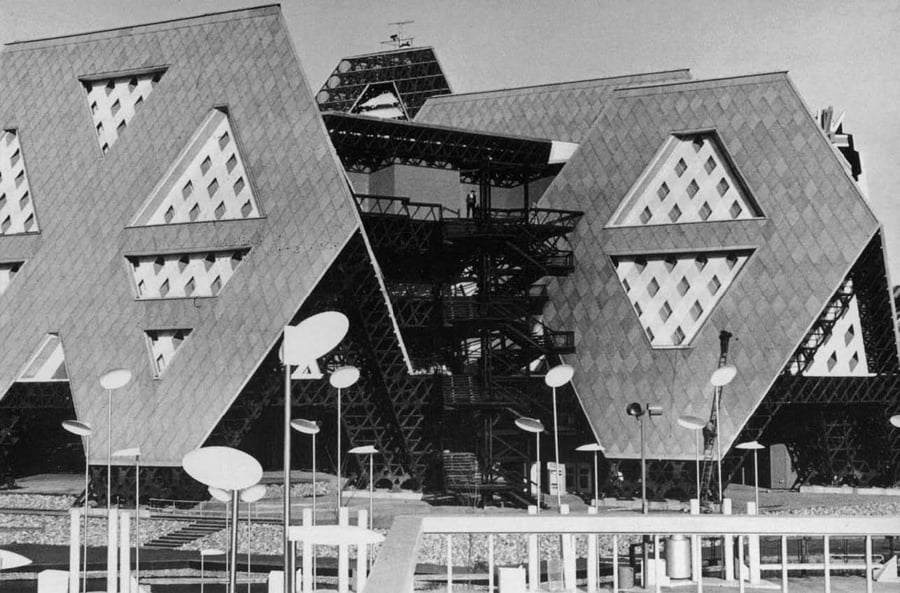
<point>845,54</point>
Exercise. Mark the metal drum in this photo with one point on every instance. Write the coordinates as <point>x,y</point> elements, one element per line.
<point>678,557</point>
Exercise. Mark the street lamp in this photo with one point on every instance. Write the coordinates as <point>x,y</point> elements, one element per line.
<point>309,427</point>
<point>342,378</point>
<point>83,429</point>
<point>227,469</point>
<point>110,381</point>
<point>721,377</point>
<point>535,426</point>
<point>136,453</point>
<point>203,554</point>
<point>303,344</point>
<point>251,495</point>
<point>696,424</point>
<point>895,420</point>
<point>635,409</point>
<point>557,377</point>
<point>595,448</point>
<point>755,447</point>
<point>369,450</point>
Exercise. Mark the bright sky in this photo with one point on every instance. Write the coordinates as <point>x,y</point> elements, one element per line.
<point>840,53</point>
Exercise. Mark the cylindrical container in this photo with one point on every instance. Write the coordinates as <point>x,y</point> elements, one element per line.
<point>678,557</point>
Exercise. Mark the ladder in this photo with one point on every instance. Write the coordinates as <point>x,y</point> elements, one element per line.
<point>711,431</point>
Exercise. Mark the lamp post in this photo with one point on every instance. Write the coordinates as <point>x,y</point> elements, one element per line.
<point>309,427</point>
<point>635,409</point>
<point>535,426</point>
<point>83,429</point>
<point>110,381</point>
<point>696,424</point>
<point>303,344</point>
<point>251,495</point>
<point>225,498</point>
<point>369,450</point>
<point>721,377</point>
<point>203,554</point>
<point>755,447</point>
<point>557,377</point>
<point>595,448</point>
<point>136,453</point>
<point>340,379</point>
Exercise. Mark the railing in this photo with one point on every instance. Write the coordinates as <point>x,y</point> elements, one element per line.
<point>394,571</point>
<point>394,206</point>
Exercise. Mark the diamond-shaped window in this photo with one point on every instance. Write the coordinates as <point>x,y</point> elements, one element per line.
<point>843,351</point>
<point>175,276</point>
<point>691,175</point>
<point>16,205</point>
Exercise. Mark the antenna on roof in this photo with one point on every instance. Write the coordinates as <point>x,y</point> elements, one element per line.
<point>399,39</point>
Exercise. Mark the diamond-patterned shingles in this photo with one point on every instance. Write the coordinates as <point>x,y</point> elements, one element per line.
<point>760,119</point>
<point>77,281</point>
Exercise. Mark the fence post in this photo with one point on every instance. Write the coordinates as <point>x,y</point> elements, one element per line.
<point>112,568</point>
<point>868,564</point>
<point>753,549</point>
<point>343,555</point>
<point>74,548</point>
<point>728,544</point>
<point>306,550</point>
<point>657,578</point>
<point>784,564</point>
<point>826,551</point>
<point>740,576</point>
<point>592,557</point>
<point>449,563</point>
<point>490,563</point>
<point>534,566</point>
<point>696,550</point>
<point>362,551</point>
<point>567,544</point>
<point>615,555</point>
<point>124,552</point>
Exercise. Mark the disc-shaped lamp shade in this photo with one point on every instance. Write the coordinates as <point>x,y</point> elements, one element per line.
<point>219,494</point>
<point>634,409</point>
<point>211,552</point>
<point>305,426</point>
<point>591,447</point>
<point>253,493</point>
<point>895,420</point>
<point>344,377</point>
<point>559,375</point>
<point>364,450</point>
<point>130,452</point>
<point>222,467</point>
<point>82,429</point>
<point>529,424</point>
<point>314,337</point>
<point>749,446</point>
<point>691,422</point>
<point>722,376</point>
<point>115,379</point>
<point>9,560</point>
<point>334,535</point>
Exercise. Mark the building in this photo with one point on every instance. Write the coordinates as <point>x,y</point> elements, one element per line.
<point>175,193</point>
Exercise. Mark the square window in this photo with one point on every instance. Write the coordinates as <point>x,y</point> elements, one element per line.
<point>692,188</point>
<point>680,167</point>
<point>735,210</point>
<point>665,312</point>
<point>710,165</point>
<point>705,211</point>
<point>653,287</point>
<point>675,213</point>
<point>663,191</point>
<point>714,285</point>
<point>646,215</point>
<point>722,186</point>
<point>683,286</point>
<point>678,336</point>
<point>696,310</point>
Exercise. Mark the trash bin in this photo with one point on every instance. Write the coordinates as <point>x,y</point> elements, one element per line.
<point>510,579</point>
<point>678,557</point>
<point>626,577</point>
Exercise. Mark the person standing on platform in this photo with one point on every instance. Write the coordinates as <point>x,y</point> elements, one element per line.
<point>471,201</point>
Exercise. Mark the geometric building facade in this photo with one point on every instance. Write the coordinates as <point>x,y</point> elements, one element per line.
<point>194,197</point>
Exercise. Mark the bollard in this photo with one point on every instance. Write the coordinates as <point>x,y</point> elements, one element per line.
<point>124,552</point>
<point>534,567</point>
<point>343,555</point>
<point>728,544</point>
<point>361,552</point>
<point>111,548</point>
<point>592,557</point>
<point>306,549</point>
<point>567,545</point>
<point>74,548</point>
<point>753,550</point>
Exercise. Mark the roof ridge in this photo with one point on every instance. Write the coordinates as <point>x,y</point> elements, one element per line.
<point>210,17</point>
<point>705,82</point>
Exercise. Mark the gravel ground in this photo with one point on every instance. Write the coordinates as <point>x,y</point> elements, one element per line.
<point>54,529</point>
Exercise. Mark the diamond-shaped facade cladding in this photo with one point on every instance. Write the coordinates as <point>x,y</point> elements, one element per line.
<point>690,180</point>
<point>184,275</point>
<point>16,205</point>
<point>114,101</point>
<point>77,280</point>
<point>673,295</point>
<point>164,343</point>
<point>843,353</point>
<point>7,271</point>
<point>815,226</point>
<point>207,182</point>
<point>48,363</point>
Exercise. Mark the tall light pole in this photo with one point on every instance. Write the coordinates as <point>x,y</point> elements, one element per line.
<point>695,424</point>
<point>595,448</point>
<point>557,377</point>
<point>635,409</point>
<point>110,381</point>
<point>721,377</point>
<point>303,345</point>
<point>309,427</point>
<point>136,453</point>
<point>83,429</point>
<point>755,447</point>
<point>341,379</point>
<point>535,426</point>
<point>224,497</point>
<point>251,495</point>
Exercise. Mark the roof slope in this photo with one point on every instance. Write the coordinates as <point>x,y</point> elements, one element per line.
<point>563,111</point>
<point>815,225</point>
<point>76,279</point>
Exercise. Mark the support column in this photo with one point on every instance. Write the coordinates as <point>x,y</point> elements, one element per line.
<point>112,569</point>
<point>728,544</point>
<point>753,550</point>
<point>124,552</point>
<point>592,557</point>
<point>74,548</point>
